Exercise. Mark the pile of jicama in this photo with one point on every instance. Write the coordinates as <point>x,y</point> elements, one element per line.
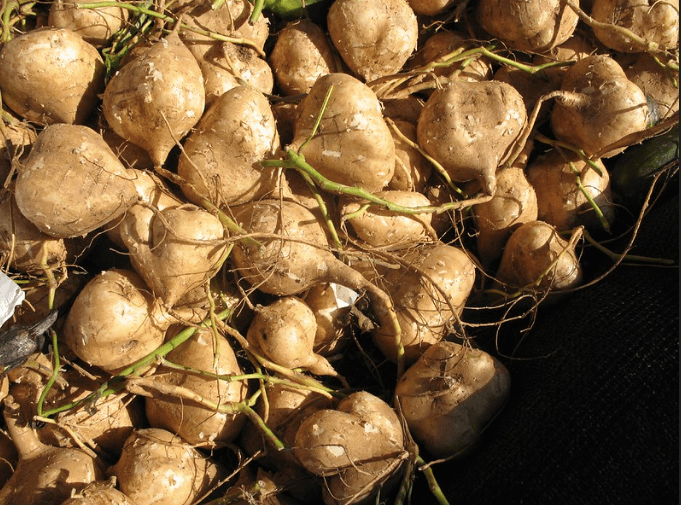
<point>272,232</point>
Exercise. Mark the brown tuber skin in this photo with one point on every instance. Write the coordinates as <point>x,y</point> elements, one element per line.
<point>229,17</point>
<point>96,26</point>
<point>197,424</point>
<point>105,427</point>
<point>374,37</point>
<point>357,448</point>
<point>16,139</point>
<point>333,332</point>
<point>221,158</point>
<point>35,64</point>
<point>599,106</point>
<point>78,201</point>
<point>100,493</point>
<point>412,169</point>
<point>45,475</point>
<point>286,408</point>
<point>432,7</point>
<point>538,258</point>
<point>468,144</point>
<point>284,332</point>
<point>25,247</point>
<point>225,66</point>
<point>301,55</point>
<point>560,201</point>
<point>429,293</point>
<point>527,25</point>
<point>450,395</point>
<point>656,22</point>
<point>174,250</point>
<point>157,468</point>
<point>298,259</point>
<point>155,99</point>
<point>657,82</point>
<point>121,296</point>
<point>356,147</point>
<point>382,228</point>
<point>443,43</point>
<point>514,203</point>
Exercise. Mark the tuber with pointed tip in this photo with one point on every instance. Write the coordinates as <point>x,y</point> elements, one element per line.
<point>468,143</point>
<point>45,475</point>
<point>284,331</point>
<point>156,98</point>
<point>289,253</point>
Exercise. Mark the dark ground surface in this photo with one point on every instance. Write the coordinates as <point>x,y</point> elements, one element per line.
<point>594,412</point>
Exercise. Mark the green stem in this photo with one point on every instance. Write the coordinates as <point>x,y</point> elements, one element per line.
<point>157,15</point>
<point>354,215</point>
<point>615,257</point>
<point>531,69</point>
<point>589,198</point>
<point>578,151</point>
<point>6,23</point>
<point>117,382</point>
<point>262,426</point>
<point>470,54</point>
<point>53,375</point>
<point>257,11</point>
<point>297,162</point>
<point>669,68</point>
<point>15,13</point>
<point>143,386</point>
<point>324,210</point>
<point>432,482</point>
<point>243,377</point>
<point>318,121</point>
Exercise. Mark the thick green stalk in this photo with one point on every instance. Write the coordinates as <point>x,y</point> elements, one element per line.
<point>432,482</point>
<point>117,382</point>
<point>53,375</point>
<point>297,162</point>
<point>589,198</point>
<point>578,151</point>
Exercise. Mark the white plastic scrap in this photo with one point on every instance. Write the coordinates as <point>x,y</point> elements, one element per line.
<point>11,296</point>
<point>345,297</point>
